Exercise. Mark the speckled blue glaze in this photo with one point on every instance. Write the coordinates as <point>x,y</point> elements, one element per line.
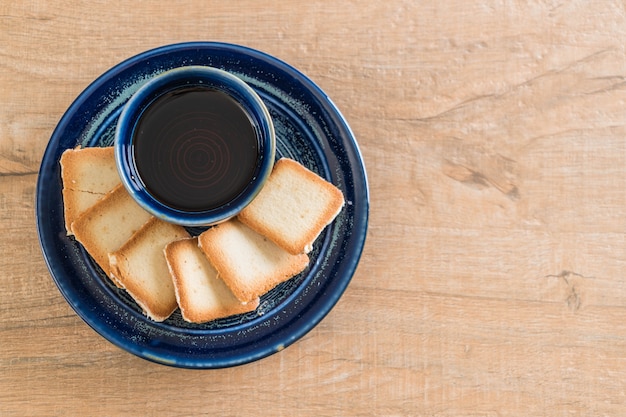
<point>309,128</point>
<point>168,81</point>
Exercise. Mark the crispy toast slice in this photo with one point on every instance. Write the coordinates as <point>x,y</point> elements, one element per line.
<point>140,267</point>
<point>249,263</point>
<point>87,175</point>
<point>293,207</point>
<point>201,295</point>
<point>108,224</point>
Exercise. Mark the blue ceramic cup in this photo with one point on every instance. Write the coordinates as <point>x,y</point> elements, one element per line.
<point>194,145</point>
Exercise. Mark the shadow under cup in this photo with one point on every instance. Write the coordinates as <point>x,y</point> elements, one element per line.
<point>194,145</point>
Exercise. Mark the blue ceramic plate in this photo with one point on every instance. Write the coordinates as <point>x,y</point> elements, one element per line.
<point>309,128</point>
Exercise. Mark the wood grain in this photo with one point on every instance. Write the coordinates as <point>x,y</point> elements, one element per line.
<point>492,282</point>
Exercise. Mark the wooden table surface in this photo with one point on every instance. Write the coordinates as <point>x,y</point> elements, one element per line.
<point>492,280</point>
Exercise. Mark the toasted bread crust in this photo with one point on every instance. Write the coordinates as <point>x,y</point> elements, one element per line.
<point>140,266</point>
<point>106,225</point>
<point>293,207</point>
<point>248,263</point>
<point>87,175</point>
<point>201,295</point>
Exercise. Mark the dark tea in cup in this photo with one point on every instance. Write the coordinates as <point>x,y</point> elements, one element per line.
<point>194,145</point>
<point>195,149</point>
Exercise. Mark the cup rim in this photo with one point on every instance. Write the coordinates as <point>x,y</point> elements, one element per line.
<point>184,77</point>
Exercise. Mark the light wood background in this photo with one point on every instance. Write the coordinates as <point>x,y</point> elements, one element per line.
<point>493,278</point>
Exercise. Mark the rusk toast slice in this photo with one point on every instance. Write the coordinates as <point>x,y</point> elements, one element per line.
<point>293,207</point>
<point>201,295</point>
<point>108,224</point>
<point>140,267</point>
<point>87,175</point>
<point>249,263</point>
